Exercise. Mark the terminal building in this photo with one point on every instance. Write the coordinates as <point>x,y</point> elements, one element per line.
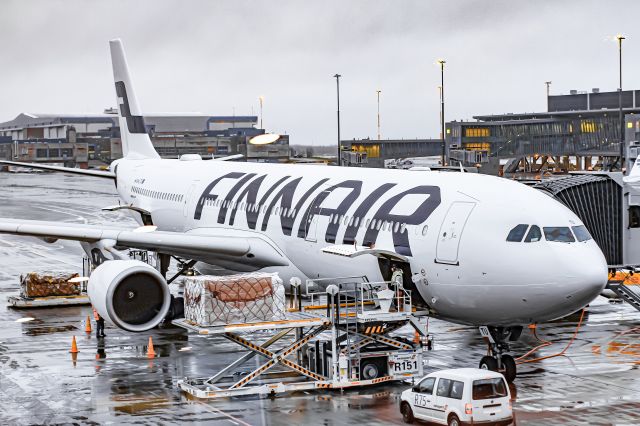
<point>579,131</point>
<point>74,140</point>
<point>374,152</point>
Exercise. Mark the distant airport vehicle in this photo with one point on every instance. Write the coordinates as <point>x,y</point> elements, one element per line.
<point>459,396</point>
<point>475,249</point>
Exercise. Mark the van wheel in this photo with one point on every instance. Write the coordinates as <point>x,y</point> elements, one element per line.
<point>453,420</point>
<point>407,413</point>
<point>509,365</point>
<point>488,363</point>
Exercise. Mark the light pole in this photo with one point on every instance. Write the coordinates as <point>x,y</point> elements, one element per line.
<point>337,77</point>
<point>444,153</point>
<point>261,99</point>
<point>378,93</point>
<point>620,37</point>
<point>547,83</point>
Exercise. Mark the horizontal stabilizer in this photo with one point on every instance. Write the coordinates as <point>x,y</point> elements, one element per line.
<point>94,173</point>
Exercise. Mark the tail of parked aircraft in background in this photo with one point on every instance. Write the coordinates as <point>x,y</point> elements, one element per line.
<point>634,173</point>
<point>136,143</point>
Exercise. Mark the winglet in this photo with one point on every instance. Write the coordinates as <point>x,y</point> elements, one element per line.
<point>136,143</point>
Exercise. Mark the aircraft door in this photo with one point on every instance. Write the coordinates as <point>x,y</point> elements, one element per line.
<point>188,199</point>
<point>451,232</point>
<point>312,221</point>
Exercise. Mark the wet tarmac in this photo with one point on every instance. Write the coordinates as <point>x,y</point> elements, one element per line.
<point>111,381</point>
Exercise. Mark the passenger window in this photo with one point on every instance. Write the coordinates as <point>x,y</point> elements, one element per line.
<point>443,387</point>
<point>560,234</point>
<point>516,234</point>
<point>581,233</point>
<point>456,389</point>
<point>426,386</point>
<point>534,234</point>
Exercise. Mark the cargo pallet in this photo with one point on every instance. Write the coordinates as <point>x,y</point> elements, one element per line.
<point>20,302</point>
<point>339,339</point>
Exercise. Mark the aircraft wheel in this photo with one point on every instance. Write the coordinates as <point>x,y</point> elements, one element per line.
<point>509,365</point>
<point>488,363</point>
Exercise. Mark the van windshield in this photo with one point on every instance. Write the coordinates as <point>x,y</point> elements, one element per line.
<point>489,388</point>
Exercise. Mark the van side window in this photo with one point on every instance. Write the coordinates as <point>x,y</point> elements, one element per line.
<point>456,389</point>
<point>516,234</point>
<point>426,386</point>
<point>450,388</point>
<point>443,387</point>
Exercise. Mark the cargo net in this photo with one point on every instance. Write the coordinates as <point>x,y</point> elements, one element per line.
<point>44,285</point>
<point>233,299</point>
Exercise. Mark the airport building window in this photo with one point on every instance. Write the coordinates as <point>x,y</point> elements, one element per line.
<point>534,235</point>
<point>516,234</point>
<point>476,132</point>
<point>373,151</point>
<point>582,234</point>
<point>560,234</point>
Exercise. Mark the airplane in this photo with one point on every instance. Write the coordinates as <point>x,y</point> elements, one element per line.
<point>474,249</point>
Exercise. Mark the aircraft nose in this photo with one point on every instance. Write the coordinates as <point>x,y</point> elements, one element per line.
<point>588,276</point>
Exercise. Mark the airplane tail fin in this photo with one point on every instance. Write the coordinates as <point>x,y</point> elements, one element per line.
<point>136,143</point>
<point>634,174</point>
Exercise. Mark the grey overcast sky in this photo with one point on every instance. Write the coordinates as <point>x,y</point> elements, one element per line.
<point>219,56</point>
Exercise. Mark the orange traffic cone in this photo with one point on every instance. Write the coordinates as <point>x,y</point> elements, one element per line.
<point>150,352</point>
<point>74,346</point>
<point>416,338</point>
<point>87,327</point>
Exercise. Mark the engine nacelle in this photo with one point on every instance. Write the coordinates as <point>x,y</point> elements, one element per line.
<point>130,294</point>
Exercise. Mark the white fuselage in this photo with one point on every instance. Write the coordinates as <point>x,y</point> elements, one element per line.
<point>452,228</point>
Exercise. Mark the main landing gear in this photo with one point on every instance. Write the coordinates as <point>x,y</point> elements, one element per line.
<point>498,339</point>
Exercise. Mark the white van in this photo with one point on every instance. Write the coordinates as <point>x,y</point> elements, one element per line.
<point>459,396</point>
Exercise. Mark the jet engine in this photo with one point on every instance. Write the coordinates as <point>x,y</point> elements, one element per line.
<point>130,294</point>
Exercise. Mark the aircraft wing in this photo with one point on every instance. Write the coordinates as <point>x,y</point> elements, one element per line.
<point>241,249</point>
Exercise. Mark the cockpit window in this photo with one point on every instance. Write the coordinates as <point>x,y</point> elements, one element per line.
<point>516,234</point>
<point>560,234</point>
<point>581,233</point>
<point>534,234</point>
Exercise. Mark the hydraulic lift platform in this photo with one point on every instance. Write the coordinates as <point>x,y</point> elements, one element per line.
<point>346,344</point>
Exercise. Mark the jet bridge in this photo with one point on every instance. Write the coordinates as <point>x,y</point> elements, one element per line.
<point>610,209</point>
<point>336,336</point>
<point>609,206</point>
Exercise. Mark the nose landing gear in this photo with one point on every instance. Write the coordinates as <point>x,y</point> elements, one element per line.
<point>498,340</point>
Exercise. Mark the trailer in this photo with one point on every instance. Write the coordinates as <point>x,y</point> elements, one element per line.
<point>333,337</point>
